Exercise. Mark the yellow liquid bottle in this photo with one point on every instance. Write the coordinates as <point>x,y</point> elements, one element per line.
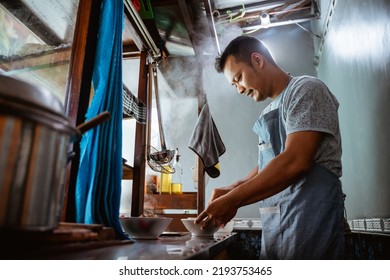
<point>176,184</point>
<point>166,180</point>
<point>177,188</point>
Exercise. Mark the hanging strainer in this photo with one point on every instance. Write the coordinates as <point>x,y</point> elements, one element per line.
<point>157,160</point>
<point>158,165</point>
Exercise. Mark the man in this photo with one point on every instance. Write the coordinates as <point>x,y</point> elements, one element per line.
<point>297,177</point>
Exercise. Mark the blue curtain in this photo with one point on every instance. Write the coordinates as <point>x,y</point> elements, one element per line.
<point>98,188</point>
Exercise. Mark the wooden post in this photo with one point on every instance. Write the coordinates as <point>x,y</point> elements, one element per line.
<point>201,172</point>
<point>137,203</point>
<point>79,88</point>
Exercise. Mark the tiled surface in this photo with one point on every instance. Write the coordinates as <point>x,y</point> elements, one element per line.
<point>247,245</point>
<point>367,246</point>
<point>358,246</point>
<point>376,225</point>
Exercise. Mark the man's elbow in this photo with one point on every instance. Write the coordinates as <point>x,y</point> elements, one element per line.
<point>301,168</point>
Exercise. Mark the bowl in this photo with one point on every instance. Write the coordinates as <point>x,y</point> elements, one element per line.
<point>196,230</point>
<point>144,227</point>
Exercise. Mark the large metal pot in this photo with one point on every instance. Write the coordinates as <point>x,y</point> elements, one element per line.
<point>34,136</point>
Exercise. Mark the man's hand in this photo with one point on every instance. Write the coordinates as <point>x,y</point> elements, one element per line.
<point>219,212</point>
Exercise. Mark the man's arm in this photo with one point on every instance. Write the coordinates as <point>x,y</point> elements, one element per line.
<point>281,172</point>
<point>217,192</point>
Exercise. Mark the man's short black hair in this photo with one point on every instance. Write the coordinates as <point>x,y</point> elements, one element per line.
<point>241,48</point>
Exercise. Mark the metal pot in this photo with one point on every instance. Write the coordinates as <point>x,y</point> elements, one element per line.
<point>34,136</point>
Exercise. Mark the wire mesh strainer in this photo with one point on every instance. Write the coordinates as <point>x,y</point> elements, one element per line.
<point>158,161</point>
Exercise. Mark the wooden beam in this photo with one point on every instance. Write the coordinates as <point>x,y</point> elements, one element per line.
<point>185,201</point>
<point>201,185</point>
<point>130,50</point>
<point>52,57</point>
<point>127,172</point>
<point>79,87</point>
<point>41,60</point>
<point>201,171</point>
<point>137,204</point>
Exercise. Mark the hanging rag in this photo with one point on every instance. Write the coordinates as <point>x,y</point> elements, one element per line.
<point>207,143</point>
<point>98,188</point>
<point>133,107</point>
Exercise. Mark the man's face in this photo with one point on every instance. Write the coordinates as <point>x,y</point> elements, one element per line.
<point>247,78</point>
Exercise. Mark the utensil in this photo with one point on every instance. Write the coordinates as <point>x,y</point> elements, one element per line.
<point>34,139</point>
<point>158,161</point>
<point>144,227</point>
<point>34,136</point>
<point>164,156</point>
<point>197,231</point>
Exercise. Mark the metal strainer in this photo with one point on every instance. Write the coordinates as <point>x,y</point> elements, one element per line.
<point>157,160</point>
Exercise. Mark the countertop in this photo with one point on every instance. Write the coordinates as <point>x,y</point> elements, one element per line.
<point>170,246</point>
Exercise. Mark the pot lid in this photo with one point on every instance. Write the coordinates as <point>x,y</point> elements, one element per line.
<point>22,92</point>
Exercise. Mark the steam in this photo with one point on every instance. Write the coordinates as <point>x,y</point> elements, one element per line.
<point>179,86</point>
<point>180,82</point>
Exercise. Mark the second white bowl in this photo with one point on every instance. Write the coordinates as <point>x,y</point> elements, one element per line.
<point>196,230</point>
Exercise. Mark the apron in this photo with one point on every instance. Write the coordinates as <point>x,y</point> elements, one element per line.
<point>305,220</point>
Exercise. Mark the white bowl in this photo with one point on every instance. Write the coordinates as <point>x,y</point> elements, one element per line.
<point>144,227</point>
<point>196,230</point>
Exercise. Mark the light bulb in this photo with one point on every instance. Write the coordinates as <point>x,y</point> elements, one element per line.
<point>265,19</point>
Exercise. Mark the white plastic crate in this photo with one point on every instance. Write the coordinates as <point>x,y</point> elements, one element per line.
<point>359,224</point>
<point>350,223</point>
<point>374,224</point>
<point>386,225</point>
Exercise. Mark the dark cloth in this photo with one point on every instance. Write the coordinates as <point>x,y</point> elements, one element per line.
<point>207,143</point>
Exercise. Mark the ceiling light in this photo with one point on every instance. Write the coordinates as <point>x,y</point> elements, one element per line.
<point>265,19</point>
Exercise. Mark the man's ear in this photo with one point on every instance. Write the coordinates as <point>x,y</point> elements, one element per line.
<point>257,59</point>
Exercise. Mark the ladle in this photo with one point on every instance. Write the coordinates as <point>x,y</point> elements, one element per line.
<point>164,156</point>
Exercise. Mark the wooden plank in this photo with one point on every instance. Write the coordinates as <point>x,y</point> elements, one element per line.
<point>201,172</point>
<point>41,60</point>
<point>175,201</point>
<point>130,51</point>
<point>79,87</point>
<point>127,172</point>
<point>137,204</point>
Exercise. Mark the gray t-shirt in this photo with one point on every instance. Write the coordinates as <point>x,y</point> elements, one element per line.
<point>307,104</point>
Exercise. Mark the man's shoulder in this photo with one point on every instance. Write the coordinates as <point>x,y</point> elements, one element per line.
<point>306,80</point>
<point>300,86</point>
<point>307,89</point>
